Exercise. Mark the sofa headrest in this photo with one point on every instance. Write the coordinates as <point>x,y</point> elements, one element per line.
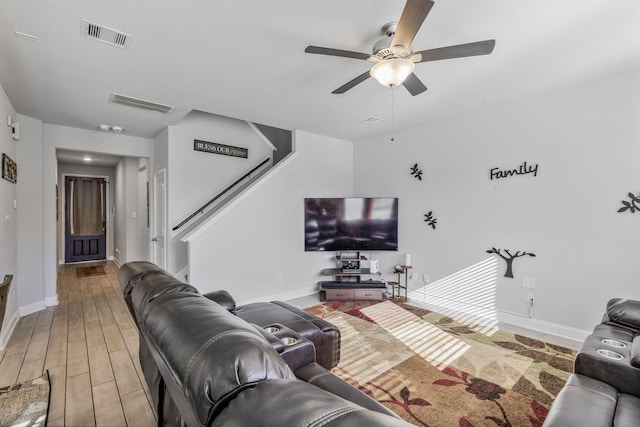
<point>211,354</point>
<point>624,311</point>
<point>129,272</point>
<point>150,285</point>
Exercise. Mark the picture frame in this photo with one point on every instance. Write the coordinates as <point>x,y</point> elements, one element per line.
<point>9,169</point>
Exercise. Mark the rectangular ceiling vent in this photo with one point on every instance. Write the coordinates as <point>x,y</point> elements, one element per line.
<point>140,103</point>
<point>105,34</point>
<point>371,120</point>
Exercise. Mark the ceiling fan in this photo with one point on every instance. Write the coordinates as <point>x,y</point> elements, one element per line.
<point>394,61</point>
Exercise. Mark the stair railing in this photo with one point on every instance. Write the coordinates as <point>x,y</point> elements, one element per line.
<point>223,192</point>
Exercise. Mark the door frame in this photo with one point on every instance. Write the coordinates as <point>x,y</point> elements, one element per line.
<point>154,217</point>
<point>63,213</point>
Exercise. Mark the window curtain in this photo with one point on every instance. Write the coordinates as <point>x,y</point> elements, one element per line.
<point>87,207</point>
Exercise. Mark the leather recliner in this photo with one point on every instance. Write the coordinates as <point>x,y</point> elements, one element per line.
<point>207,367</point>
<point>604,389</point>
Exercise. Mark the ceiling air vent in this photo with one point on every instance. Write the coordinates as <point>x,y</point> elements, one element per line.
<point>140,103</point>
<point>371,120</point>
<point>105,34</point>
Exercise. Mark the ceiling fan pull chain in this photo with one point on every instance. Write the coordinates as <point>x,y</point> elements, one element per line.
<point>392,116</point>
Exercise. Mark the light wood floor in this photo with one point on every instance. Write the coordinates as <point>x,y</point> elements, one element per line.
<point>89,344</point>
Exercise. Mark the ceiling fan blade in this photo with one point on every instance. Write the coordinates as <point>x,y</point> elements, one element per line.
<point>345,87</point>
<point>413,15</point>
<point>414,85</point>
<point>336,52</point>
<point>458,51</point>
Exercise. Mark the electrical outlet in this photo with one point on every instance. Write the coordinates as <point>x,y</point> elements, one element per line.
<point>426,278</point>
<point>530,297</point>
<point>413,276</point>
<point>279,277</point>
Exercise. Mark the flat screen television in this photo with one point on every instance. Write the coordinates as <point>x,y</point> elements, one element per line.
<point>351,224</point>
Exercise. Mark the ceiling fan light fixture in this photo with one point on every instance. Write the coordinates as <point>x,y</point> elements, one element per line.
<point>393,71</point>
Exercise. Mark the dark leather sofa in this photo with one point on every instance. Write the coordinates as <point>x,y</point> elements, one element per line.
<point>206,366</point>
<point>604,389</point>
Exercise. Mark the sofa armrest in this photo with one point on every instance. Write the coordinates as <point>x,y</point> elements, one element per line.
<point>320,377</point>
<point>597,360</point>
<point>635,352</point>
<point>328,351</point>
<point>223,298</point>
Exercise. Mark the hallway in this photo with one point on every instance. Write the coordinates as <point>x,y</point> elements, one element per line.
<point>89,344</point>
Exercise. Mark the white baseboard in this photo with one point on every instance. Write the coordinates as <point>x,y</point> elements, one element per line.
<point>5,336</point>
<point>493,316</point>
<point>282,296</point>
<point>544,326</point>
<point>25,310</point>
<point>51,301</point>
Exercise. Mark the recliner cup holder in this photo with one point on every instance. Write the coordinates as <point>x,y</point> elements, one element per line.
<point>272,329</point>
<point>613,343</point>
<point>610,354</point>
<point>289,341</point>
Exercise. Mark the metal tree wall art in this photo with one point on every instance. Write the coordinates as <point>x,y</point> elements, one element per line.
<point>509,257</point>
<point>633,205</point>
<point>430,220</point>
<point>416,172</point>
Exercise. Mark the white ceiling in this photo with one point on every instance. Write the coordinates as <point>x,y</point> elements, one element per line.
<point>73,157</point>
<point>246,60</point>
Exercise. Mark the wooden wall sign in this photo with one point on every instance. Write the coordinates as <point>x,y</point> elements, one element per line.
<point>215,148</point>
<point>632,205</point>
<point>523,169</point>
<point>509,257</point>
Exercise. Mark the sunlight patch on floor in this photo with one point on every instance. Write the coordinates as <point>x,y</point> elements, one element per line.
<point>433,344</point>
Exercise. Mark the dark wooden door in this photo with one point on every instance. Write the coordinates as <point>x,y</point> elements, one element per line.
<point>85,219</point>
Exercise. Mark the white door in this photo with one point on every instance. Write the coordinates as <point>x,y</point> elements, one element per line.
<point>159,218</point>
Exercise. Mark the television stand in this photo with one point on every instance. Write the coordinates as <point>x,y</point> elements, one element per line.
<point>348,284</point>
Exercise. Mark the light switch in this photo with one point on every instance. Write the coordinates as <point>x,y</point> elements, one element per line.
<point>134,215</point>
<point>529,282</point>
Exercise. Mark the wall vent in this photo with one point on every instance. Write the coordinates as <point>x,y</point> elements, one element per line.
<point>371,120</point>
<point>105,34</point>
<point>140,103</point>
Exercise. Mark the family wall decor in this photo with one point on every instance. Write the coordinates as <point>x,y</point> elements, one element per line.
<point>523,169</point>
<point>632,205</point>
<point>9,169</point>
<point>509,257</point>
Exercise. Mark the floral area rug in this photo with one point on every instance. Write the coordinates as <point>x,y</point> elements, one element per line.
<point>434,370</point>
<point>25,404</point>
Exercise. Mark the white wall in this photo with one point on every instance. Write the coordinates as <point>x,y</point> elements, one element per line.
<point>586,141</point>
<point>128,218</point>
<point>9,226</point>
<point>194,177</point>
<point>144,236</point>
<point>53,137</point>
<point>263,236</point>
<point>31,295</point>
<point>82,170</point>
